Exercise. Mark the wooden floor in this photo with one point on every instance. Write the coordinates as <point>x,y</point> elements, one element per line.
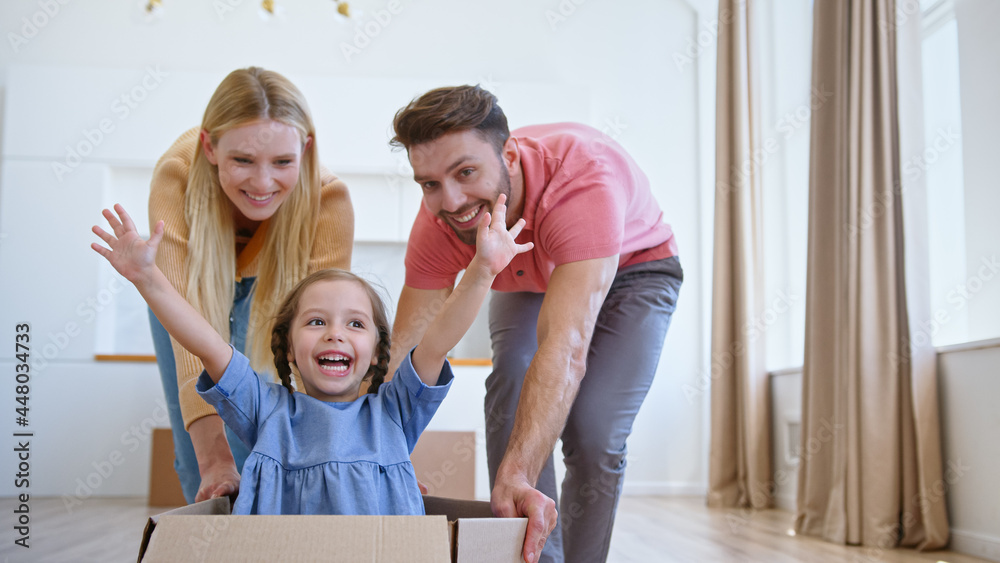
<point>647,530</point>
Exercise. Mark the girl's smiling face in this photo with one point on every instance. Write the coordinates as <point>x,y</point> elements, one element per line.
<point>333,339</point>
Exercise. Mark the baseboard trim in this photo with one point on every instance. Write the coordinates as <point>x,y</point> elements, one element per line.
<point>973,543</point>
<point>666,489</point>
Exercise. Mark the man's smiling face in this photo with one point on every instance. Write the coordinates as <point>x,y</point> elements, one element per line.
<point>461,176</point>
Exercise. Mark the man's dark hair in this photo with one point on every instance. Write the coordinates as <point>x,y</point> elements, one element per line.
<point>451,109</point>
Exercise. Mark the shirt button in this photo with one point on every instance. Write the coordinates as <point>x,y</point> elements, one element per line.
<point>520,272</point>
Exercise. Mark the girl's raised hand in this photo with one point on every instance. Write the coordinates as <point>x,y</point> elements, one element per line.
<point>495,246</point>
<point>134,258</point>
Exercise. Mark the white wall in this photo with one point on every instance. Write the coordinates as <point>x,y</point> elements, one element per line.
<point>642,72</point>
<point>970,424</point>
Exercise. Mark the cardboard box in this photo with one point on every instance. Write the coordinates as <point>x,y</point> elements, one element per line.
<point>445,463</point>
<point>164,486</point>
<point>454,530</point>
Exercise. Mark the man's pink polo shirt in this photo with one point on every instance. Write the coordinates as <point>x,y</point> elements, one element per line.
<point>584,198</point>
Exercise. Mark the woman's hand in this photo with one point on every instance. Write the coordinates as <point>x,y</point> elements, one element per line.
<point>132,257</point>
<point>216,466</point>
<point>495,246</point>
<point>217,480</point>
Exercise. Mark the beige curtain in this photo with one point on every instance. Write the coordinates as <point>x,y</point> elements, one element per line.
<point>871,464</point>
<point>740,450</point>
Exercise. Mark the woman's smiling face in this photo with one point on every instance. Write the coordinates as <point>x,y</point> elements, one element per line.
<point>258,166</point>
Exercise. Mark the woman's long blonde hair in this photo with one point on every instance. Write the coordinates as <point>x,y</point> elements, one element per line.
<point>248,95</point>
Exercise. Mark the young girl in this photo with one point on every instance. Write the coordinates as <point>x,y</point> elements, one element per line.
<point>330,451</point>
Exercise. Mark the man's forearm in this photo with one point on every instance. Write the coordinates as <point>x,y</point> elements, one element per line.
<point>565,327</point>
<point>547,394</point>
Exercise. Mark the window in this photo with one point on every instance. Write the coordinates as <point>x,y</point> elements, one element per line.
<point>960,124</point>
<point>786,110</point>
<point>941,165</point>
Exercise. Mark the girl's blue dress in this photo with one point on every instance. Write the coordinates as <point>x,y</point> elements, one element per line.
<point>313,457</point>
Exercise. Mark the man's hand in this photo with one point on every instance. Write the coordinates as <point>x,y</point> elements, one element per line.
<point>514,497</point>
<point>217,480</point>
<point>495,246</point>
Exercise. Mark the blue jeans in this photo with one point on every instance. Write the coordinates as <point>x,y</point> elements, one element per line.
<point>185,462</point>
<point>624,352</point>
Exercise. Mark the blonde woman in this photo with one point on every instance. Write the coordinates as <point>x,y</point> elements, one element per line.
<point>248,212</point>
